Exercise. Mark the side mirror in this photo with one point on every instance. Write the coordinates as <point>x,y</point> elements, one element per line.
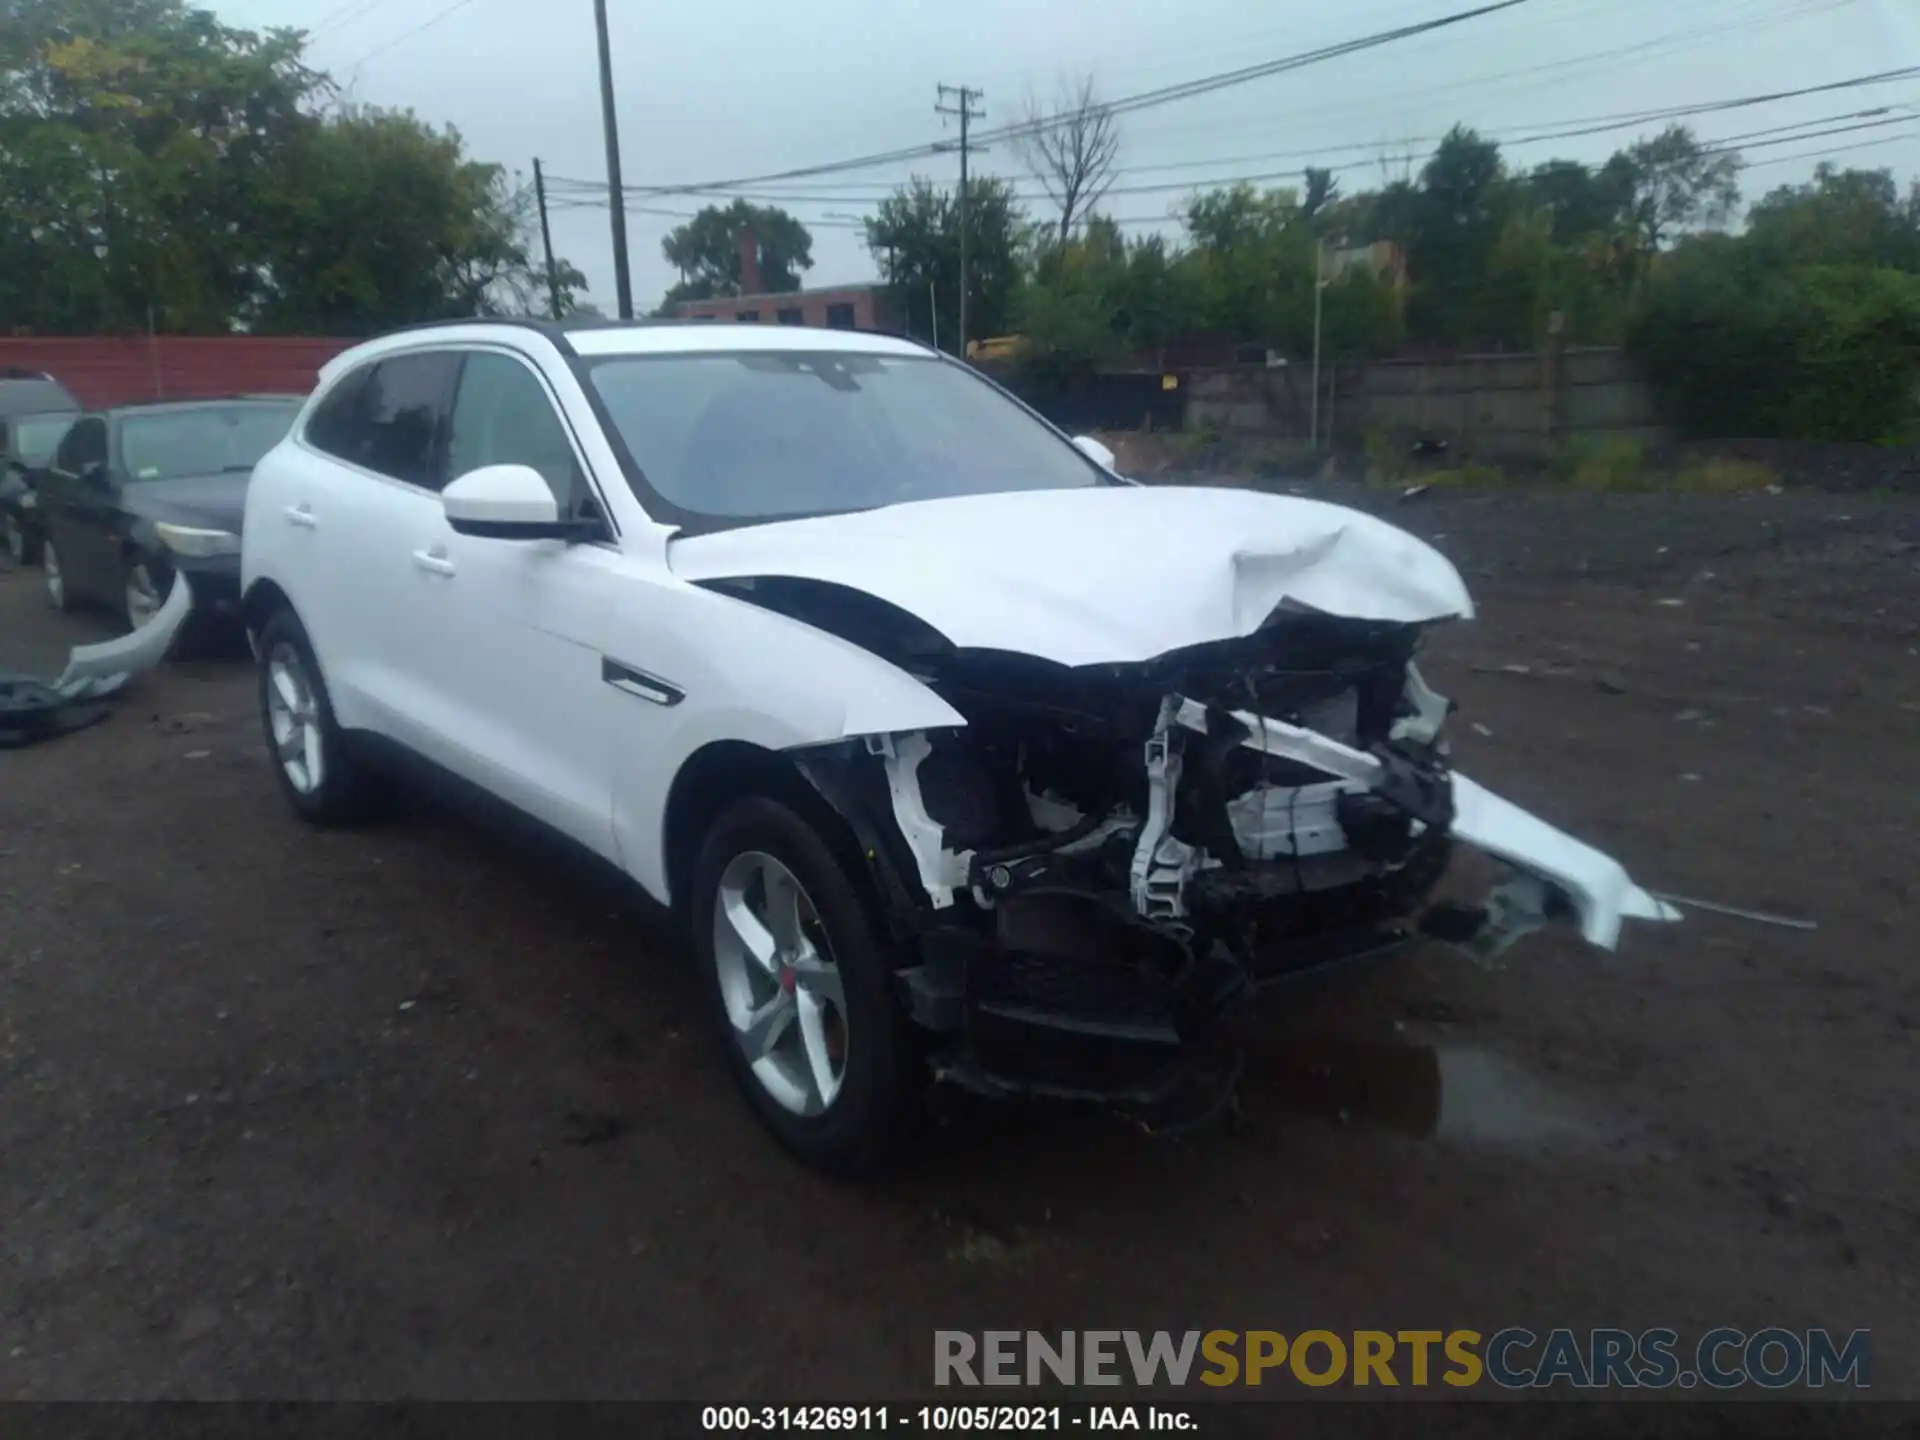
<point>508,502</point>
<point>1095,451</point>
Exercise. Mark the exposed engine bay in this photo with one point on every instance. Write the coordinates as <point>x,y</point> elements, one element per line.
<point>1105,858</point>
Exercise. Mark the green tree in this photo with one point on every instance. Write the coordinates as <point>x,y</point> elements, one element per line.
<point>136,139</point>
<point>1680,185</point>
<point>915,240</point>
<point>1582,202</point>
<point>1453,220</point>
<point>1322,191</point>
<point>706,250</point>
<point>1739,346</point>
<point>1841,217</point>
<point>1160,302</point>
<point>160,165</point>
<point>1252,265</point>
<point>381,220</point>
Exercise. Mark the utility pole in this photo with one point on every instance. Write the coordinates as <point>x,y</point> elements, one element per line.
<point>963,108</point>
<point>1319,288</point>
<point>546,237</point>
<point>616,194</point>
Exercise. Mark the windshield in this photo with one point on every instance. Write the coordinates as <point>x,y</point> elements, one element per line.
<point>36,437</point>
<point>759,436</point>
<point>202,441</point>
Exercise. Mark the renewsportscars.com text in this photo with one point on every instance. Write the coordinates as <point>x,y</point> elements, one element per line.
<point>1512,1358</point>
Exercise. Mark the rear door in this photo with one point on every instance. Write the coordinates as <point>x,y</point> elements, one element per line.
<point>368,486</point>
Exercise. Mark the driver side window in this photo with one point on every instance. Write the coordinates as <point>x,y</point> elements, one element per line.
<point>85,444</point>
<point>502,416</point>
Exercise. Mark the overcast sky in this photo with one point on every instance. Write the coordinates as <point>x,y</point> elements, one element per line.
<point>727,88</point>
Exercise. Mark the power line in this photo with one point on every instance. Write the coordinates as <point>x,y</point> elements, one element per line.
<point>1799,131</point>
<point>339,16</point>
<point>1642,51</point>
<point>1615,120</point>
<point>1164,95</point>
<point>1206,85</point>
<point>1879,77</point>
<point>1717,146</point>
<point>1559,130</point>
<point>1836,150</point>
<point>406,35</point>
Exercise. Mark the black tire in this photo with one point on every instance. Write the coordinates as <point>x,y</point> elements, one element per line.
<point>56,574</point>
<point>348,791</point>
<point>23,546</point>
<point>157,578</point>
<point>199,634</point>
<point>878,1107</point>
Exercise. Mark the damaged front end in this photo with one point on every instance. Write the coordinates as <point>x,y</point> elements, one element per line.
<point>1105,859</point>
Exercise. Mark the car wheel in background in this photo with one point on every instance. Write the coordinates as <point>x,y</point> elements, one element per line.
<point>319,773</point>
<point>20,546</point>
<point>141,596</point>
<point>58,595</point>
<point>802,990</point>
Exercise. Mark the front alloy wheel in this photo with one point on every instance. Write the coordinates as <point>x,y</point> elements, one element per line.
<point>801,976</point>
<point>779,984</point>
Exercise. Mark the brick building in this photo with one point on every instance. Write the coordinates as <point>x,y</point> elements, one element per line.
<point>842,307</point>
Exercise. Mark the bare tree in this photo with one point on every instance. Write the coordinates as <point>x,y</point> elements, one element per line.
<point>1071,150</point>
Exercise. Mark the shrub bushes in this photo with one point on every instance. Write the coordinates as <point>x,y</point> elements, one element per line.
<point>1813,352</point>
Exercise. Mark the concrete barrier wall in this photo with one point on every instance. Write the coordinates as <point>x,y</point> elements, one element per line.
<point>1496,406</point>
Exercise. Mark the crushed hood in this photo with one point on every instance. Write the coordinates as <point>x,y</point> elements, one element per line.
<point>1111,575</point>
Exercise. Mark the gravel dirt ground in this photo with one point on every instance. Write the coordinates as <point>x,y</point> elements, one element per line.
<point>413,1113</point>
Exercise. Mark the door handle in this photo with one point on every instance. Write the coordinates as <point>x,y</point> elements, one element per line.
<point>300,515</point>
<point>434,560</point>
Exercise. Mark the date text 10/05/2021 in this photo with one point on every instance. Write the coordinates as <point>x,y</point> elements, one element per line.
<point>936,1419</point>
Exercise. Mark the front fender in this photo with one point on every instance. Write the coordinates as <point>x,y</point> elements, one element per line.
<point>761,679</point>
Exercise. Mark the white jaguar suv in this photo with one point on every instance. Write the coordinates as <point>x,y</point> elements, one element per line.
<point>958,755</point>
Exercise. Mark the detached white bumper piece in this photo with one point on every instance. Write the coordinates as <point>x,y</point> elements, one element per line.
<point>1595,884</point>
<point>96,670</point>
<point>1599,887</point>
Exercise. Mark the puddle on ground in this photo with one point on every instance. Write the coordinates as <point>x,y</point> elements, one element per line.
<point>1441,1091</point>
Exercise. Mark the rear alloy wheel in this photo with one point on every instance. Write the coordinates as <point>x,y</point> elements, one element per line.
<point>801,980</point>
<point>325,781</point>
<point>293,721</point>
<point>57,593</point>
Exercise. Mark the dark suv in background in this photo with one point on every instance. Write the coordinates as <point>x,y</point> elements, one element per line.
<point>35,411</point>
